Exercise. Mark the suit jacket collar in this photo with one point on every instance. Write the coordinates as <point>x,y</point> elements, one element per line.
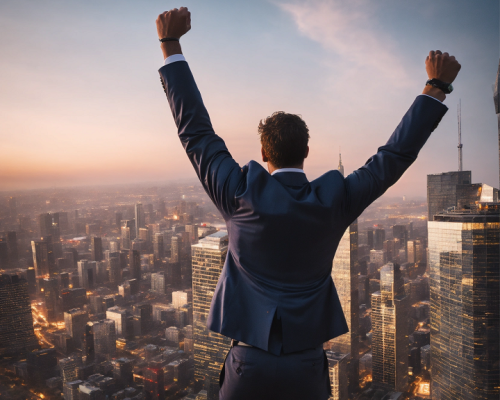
<point>291,178</point>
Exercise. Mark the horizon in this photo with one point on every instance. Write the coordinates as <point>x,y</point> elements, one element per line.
<point>82,105</point>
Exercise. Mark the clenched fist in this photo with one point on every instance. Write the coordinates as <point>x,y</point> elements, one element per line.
<point>173,23</point>
<point>441,66</point>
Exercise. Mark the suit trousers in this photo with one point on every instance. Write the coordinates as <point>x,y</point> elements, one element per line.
<point>250,373</point>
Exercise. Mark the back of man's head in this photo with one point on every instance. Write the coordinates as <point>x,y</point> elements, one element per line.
<point>284,138</point>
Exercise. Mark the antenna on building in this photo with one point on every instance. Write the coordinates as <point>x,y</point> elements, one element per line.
<point>459,116</point>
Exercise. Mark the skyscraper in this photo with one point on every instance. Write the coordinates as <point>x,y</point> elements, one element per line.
<point>69,368</point>
<point>209,348</point>
<point>104,333</point>
<point>345,276</point>
<point>135,264</point>
<point>87,273</point>
<point>390,308</point>
<point>158,247</point>
<point>465,305</point>
<point>139,218</point>
<point>16,321</point>
<point>75,321</point>
<point>127,233</point>
<point>158,283</point>
<point>43,257</point>
<point>50,288</point>
<point>341,166</point>
<point>338,365</point>
<point>45,225</point>
<point>154,386</point>
<point>442,190</point>
<point>96,248</point>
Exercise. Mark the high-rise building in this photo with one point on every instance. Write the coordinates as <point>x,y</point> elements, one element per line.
<point>135,264</point>
<point>45,225</point>
<point>114,270</point>
<point>341,166</point>
<point>50,288</point>
<point>158,247</point>
<point>71,390</point>
<point>87,272</point>
<point>465,305</point>
<point>209,348</point>
<point>345,276</point>
<point>75,321</point>
<point>193,233</point>
<point>69,368</point>
<point>104,333</point>
<point>43,257</point>
<point>496,99</point>
<point>379,238</point>
<point>390,310</point>
<point>158,282</point>
<point>41,365</point>
<point>127,233</point>
<point>119,316</point>
<point>139,218</point>
<point>96,248</point>
<point>16,322</point>
<point>122,371</point>
<point>338,365</point>
<point>154,386</point>
<point>145,312</point>
<point>73,298</point>
<point>442,190</point>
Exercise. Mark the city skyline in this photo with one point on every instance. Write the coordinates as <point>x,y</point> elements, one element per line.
<point>84,106</point>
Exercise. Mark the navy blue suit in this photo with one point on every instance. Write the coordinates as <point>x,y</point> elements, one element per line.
<point>284,230</point>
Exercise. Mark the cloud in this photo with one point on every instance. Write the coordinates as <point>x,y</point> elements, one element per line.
<point>362,57</point>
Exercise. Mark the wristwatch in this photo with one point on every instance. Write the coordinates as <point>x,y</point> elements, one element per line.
<point>447,88</point>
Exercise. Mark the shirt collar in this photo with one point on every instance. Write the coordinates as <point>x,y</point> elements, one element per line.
<point>277,171</point>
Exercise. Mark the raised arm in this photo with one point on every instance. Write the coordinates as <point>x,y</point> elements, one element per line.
<point>219,174</point>
<point>384,169</point>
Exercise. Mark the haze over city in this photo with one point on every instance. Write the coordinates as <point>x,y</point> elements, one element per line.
<point>82,104</point>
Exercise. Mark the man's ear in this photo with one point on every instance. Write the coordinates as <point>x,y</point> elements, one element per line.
<point>264,155</point>
<point>307,152</point>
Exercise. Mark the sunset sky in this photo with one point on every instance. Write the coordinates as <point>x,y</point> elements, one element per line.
<point>81,101</point>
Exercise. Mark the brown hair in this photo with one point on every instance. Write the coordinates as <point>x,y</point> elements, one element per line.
<point>284,138</point>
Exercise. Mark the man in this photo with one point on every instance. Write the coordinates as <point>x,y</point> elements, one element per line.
<point>275,297</point>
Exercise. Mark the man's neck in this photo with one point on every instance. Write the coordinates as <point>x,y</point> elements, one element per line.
<point>271,168</point>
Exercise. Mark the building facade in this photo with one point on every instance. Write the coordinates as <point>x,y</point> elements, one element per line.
<point>465,286</point>
<point>210,348</point>
<point>390,310</point>
<point>345,276</point>
<point>16,322</point>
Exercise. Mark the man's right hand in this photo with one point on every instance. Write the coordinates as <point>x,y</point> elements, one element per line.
<point>173,24</point>
<point>440,66</point>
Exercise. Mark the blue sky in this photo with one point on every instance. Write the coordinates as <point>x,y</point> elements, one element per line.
<point>81,101</point>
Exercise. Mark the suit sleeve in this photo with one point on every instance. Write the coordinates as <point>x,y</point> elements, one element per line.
<point>218,172</point>
<point>383,170</point>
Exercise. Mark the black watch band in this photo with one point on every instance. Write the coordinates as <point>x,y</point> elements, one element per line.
<point>169,39</point>
<point>447,88</point>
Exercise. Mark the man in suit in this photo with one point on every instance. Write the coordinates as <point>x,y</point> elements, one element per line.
<point>275,296</point>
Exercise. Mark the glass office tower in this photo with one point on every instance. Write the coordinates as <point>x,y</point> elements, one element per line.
<point>390,310</point>
<point>442,190</point>
<point>210,348</point>
<point>465,292</point>
<point>345,276</point>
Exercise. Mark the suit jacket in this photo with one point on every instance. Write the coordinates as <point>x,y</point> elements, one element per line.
<point>284,230</point>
